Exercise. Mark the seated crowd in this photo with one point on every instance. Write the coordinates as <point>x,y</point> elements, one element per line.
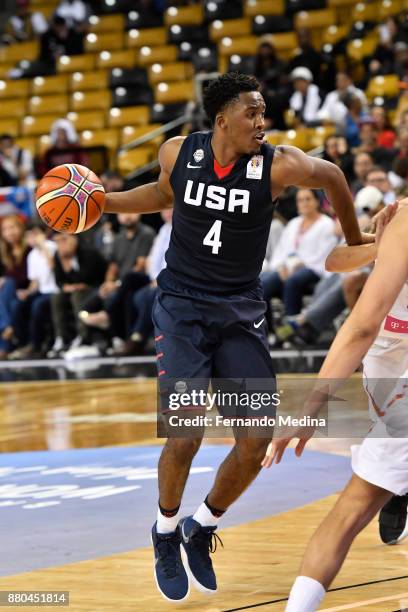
<point>93,293</point>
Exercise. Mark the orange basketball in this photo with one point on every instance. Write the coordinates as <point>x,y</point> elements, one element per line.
<point>70,198</point>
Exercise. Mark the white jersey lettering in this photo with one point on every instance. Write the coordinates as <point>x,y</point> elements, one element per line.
<point>216,197</point>
<point>199,197</point>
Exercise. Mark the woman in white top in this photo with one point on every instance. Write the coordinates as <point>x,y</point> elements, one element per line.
<point>298,259</point>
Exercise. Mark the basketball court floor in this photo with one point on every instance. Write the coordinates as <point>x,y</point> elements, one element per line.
<point>78,493</point>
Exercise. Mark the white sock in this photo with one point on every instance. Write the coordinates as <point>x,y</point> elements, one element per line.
<point>205,517</point>
<point>167,524</point>
<point>305,595</point>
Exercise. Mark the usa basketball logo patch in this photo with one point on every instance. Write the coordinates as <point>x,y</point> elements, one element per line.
<point>198,155</point>
<point>254,167</point>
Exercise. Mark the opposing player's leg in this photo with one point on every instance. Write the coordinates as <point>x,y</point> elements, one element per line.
<point>380,466</point>
<point>243,354</point>
<point>326,551</point>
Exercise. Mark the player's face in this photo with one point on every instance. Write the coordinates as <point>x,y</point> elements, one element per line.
<point>243,123</point>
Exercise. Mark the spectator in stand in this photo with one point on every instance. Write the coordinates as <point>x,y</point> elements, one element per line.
<point>298,260</point>
<point>270,70</point>
<point>13,257</point>
<point>377,177</point>
<point>65,147</point>
<point>112,308</point>
<point>268,66</point>
<point>24,25</point>
<point>363,163</point>
<point>337,152</point>
<point>385,132</point>
<point>16,164</point>
<point>401,60</point>
<point>58,40</point>
<point>333,109</point>
<point>32,315</point>
<point>335,292</point>
<point>144,298</point>
<point>390,34</point>
<point>368,144</point>
<point>402,142</point>
<point>102,235</point>
<point>112,181</point>
<point>306,100</point>
<point>402,118</point>
<point>74,12</point>
<point>307,56</point>
<point>399,174</point>
<point>275,233</point>
<point>353,118</point>
<point>79,271</point>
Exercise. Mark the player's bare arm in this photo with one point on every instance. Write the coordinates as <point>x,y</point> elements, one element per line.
<point>361,328</point>
<point>347,258</point>
<point>152,197</point>
<point>379,294</point>
<point>293,167</point>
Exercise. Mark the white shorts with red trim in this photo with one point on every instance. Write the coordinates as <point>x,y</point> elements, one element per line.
<point>382,458</point>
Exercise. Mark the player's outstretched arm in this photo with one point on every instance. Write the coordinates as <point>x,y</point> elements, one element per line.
<point>347,258</point>
<point>359,331</point>
<point>152,197</point>
<point>379,294</point>
<point>293,167</point>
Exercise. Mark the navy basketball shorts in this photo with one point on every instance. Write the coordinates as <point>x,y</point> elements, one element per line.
<point>202,338</point>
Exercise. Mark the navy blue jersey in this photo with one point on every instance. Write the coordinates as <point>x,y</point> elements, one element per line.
<point>220,225</point>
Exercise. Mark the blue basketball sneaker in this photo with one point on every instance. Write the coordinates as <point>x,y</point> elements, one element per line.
<point>197,543</point>
<point>170,575</point>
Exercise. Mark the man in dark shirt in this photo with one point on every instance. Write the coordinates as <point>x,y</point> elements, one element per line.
<point>124,275</point>
<point>58,40</point>
<point>78,272</point>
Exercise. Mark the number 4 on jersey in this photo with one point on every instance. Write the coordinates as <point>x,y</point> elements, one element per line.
<point>212,239</point>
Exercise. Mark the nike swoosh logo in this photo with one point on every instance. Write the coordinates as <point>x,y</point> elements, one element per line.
<point>191,166</point>
<point>186,539</point>
<point>256,325</point>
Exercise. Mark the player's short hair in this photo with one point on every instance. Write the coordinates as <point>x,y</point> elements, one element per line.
<point>225,89</point>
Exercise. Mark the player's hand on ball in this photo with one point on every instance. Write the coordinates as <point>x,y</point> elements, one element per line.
<point>70,198</point>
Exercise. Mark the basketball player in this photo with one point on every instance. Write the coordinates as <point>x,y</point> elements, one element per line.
<point>376,330</point>
<point>209,314</point>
